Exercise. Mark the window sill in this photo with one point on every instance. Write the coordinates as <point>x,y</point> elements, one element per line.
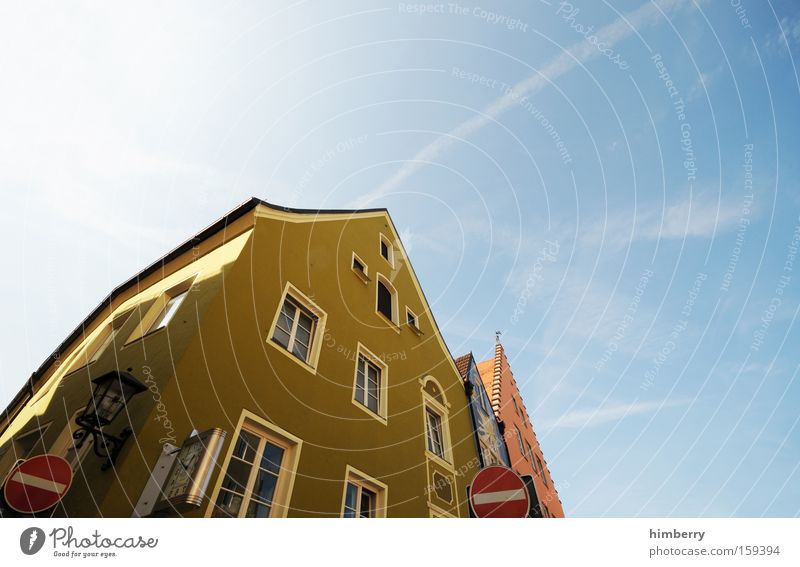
<point>436,512</point>
<point>302,363</point>
<point>391,323</point>
<point>372,414</point>
<point>365,279</point>
<point>438,460</point>
<point>416,330</point>
<point>143,337</point>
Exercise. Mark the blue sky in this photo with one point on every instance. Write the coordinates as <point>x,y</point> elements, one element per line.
<point>611,184</point>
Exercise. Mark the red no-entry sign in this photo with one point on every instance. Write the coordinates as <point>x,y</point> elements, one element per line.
<point>38,484</point>
<point>499,492</point>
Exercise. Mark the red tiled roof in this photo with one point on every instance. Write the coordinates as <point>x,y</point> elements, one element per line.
<point>462,364</point>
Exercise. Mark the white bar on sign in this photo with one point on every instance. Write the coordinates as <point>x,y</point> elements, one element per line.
<point>38,482</point>
<point>499,497</point>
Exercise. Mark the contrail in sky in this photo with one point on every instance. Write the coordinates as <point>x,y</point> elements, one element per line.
<point>577,54</point>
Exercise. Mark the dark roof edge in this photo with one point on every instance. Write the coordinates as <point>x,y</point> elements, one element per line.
<point>319,211</point>
<point>204,234</point>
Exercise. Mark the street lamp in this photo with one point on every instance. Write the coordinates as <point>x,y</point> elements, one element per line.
<point>111,394</point>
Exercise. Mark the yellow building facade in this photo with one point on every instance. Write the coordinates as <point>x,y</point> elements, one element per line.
<point>302,340</point>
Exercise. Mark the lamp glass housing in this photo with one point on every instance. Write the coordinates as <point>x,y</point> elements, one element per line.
<point>112,393</point>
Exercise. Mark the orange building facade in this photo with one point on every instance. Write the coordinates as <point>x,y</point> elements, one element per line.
<point>524,452</point>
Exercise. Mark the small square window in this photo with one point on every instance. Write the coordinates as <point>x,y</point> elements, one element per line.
<point>360,268</point>
<point>412,320</point>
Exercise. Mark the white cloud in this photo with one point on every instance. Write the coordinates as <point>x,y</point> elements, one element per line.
<point>579,419</point>
<point>786,39</point>
<point>701,216</point>
<point>703,84</point>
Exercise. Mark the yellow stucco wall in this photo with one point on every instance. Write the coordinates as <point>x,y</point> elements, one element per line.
<point>214,361</point>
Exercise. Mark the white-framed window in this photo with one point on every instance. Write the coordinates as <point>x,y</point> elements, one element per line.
<point>295,329</point>
<point>364,497</point>
<point>66,445</point>
<point>298,327</point>
<point>259,471</point>
<point>359,501</point>
<point>436,423</point>
<point>163,310</point>
<point>529,453</point>
<point>516,407</point>
<point>386,300</point>
<point>370,388</point>
<point>386,249</point>
<point>168,312</point>
<point>434,431</point>
<point>360,268</point>
<point>368,384</point>
<point>412,320</point>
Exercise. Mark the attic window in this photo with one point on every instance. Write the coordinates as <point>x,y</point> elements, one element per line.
<point>360,268</point>
<point>386,249</point>
<point>413,321</point>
